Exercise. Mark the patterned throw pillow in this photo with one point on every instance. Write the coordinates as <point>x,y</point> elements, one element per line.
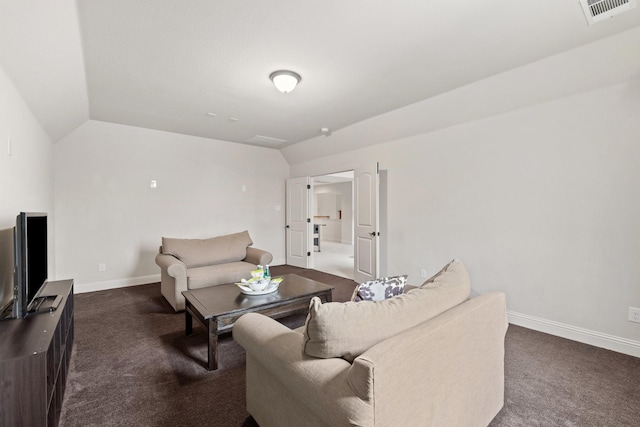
<point>379,289</point>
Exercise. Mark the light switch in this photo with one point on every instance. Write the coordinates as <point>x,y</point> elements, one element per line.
<point>154,184</point>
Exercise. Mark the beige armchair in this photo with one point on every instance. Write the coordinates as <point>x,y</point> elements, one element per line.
<point>430,357</point>
<point>197,263</point>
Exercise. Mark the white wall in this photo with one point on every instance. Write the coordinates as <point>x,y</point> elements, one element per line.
<point>107,213</point>
<point>541,203</point>
<point>26,175</point>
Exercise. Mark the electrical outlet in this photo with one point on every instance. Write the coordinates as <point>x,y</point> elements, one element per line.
<point>102,267</point>
<point>634,314</point>
<point>423,273</point>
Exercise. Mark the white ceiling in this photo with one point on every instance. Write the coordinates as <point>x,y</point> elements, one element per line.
<point>166,64</point>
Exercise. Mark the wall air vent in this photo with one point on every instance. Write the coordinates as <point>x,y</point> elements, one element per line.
<point>599,10</point>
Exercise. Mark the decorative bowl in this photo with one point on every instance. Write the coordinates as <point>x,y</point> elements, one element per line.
<point>258,284</point>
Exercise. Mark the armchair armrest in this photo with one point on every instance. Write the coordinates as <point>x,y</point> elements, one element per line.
<point>278,347</point>
<point>258,256</point>
<point>455,358</point>
<point>320,385</point>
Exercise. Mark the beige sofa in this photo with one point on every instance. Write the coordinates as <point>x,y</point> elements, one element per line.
<point>429,357</point>
<point>198,263</point>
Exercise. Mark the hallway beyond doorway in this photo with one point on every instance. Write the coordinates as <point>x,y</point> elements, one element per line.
<point>335,258</point>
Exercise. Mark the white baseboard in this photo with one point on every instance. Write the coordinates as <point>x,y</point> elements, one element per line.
<point>113,284</point>
<point>586,336</point>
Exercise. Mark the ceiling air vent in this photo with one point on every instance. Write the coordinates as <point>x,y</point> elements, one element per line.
<point>599,10</point>
<point>267,141</point>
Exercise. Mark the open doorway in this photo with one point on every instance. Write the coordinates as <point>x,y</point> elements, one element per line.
<point>333,223</point>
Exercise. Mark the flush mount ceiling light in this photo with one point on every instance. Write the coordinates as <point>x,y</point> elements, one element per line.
<point>285,80</point>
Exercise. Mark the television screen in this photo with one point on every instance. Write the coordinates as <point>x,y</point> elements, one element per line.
<point>30,259</point>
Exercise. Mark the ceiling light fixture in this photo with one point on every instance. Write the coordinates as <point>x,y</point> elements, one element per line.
<point>285,80</point>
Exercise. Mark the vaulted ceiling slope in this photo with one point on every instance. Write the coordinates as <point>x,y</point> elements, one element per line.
<point>202,67</point>
<point>40,49</point>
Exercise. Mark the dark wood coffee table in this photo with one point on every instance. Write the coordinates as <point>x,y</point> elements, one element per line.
<point>218,307</point>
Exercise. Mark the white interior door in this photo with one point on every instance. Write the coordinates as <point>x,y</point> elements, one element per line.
<point>298,220</point>
<point>365,243</point>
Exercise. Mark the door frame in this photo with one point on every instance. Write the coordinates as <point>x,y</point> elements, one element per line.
<point>380,255</point>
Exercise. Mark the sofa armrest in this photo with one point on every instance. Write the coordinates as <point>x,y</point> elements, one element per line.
<point>320,385</point>
<point>258,256</point>
<point>172,265</point>
<point>173,276</point>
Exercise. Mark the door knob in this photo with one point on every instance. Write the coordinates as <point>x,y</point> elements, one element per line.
<point>372,234</point>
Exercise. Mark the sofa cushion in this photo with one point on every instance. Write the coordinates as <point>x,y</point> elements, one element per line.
<point>216,250</point>
<point>379,289</point>
<point>454,271</point>
<point>218,274</point>
<point>348,329</point>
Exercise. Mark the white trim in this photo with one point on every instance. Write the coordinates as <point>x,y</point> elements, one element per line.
<point>113,284</point>
<point>586,336</point>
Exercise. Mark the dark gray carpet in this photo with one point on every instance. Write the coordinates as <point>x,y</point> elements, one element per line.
<point>132,365</point>
<point>552,381</point>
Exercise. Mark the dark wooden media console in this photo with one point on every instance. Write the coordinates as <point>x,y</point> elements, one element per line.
<point>34,362</point>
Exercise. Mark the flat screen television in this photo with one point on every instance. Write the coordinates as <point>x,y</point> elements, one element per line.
<point>31,265</point>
